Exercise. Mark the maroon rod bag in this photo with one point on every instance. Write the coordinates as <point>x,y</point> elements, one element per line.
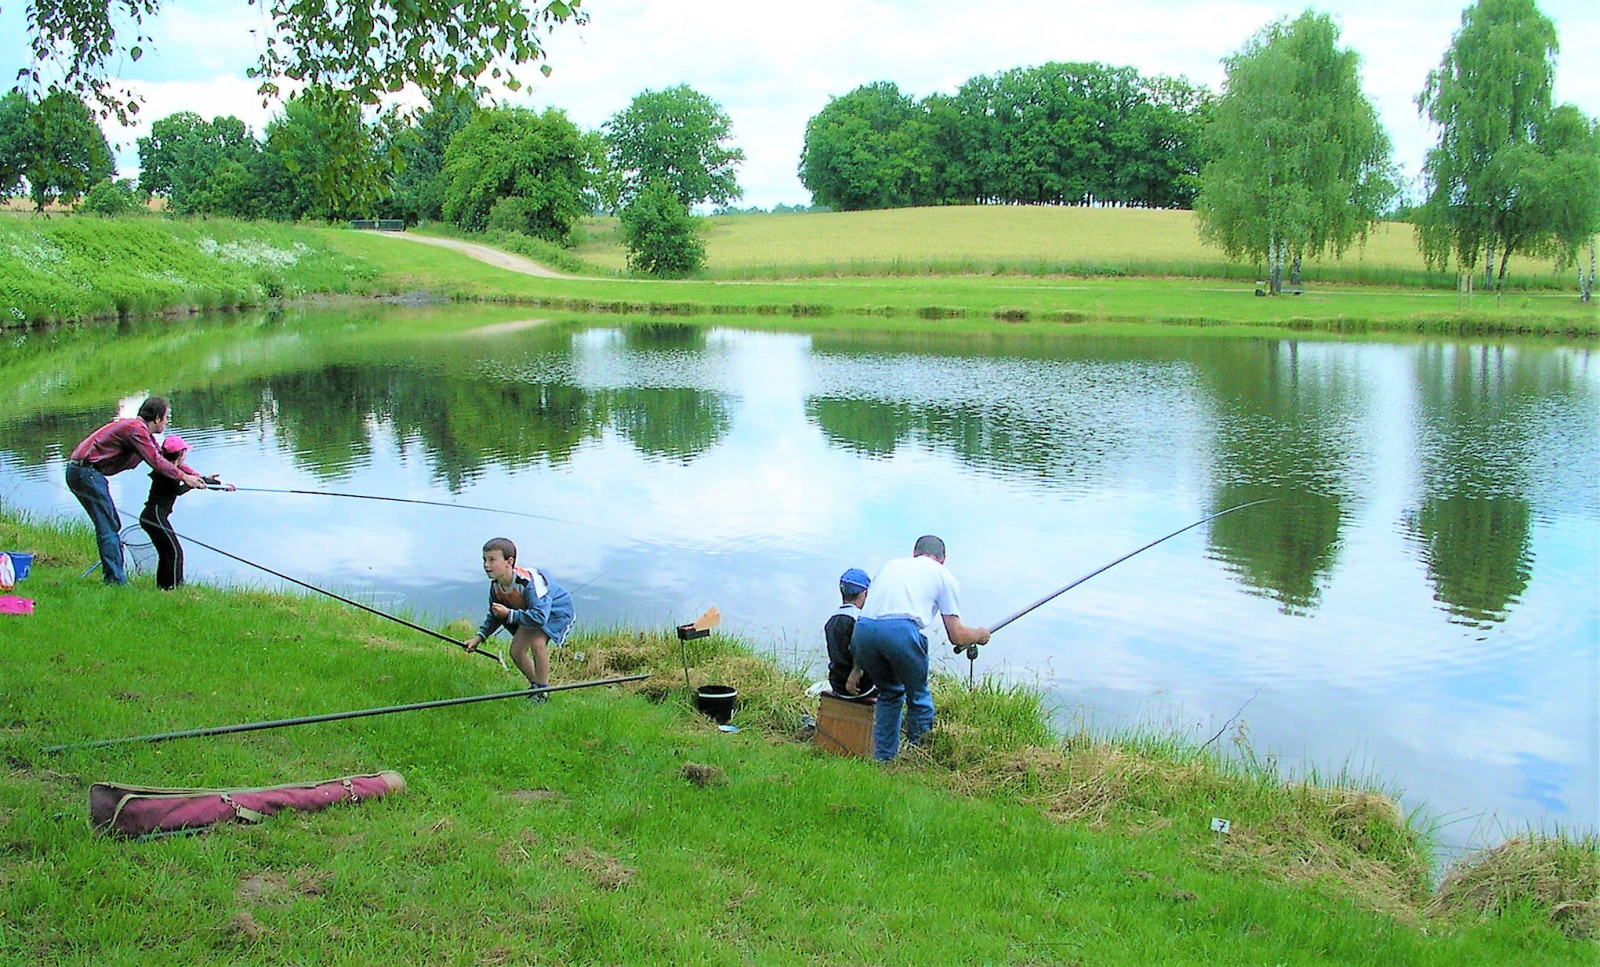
<point>147,810</point>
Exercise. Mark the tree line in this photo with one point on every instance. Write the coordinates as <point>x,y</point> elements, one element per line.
<point>1287,162</point>
<point>1057,134</point>
<point>479,167</point>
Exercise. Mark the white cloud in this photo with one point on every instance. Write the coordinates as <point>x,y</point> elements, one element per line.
<point>774,66</point>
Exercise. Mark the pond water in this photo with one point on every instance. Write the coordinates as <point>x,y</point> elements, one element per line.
<point>1419,602</point>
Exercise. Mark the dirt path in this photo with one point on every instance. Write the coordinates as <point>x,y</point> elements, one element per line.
<point>483,253</point>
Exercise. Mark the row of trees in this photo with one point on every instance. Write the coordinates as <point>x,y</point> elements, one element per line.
<point>1298,165</point>
<point>1288,163</point>
<point>1054,134</point>
<point>497,167</point>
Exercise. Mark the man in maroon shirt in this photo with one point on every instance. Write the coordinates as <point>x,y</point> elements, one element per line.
<point>108,451</point>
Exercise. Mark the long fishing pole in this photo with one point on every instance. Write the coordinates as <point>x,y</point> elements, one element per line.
<point>412,500</point>
<point>972,650</point>
<point>437,503</point>
<point>335,716</point>
<point>338,597</point>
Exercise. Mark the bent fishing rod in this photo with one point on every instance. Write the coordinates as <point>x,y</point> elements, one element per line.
<point>492,656</point>
<point>972,650</point>
<point>336,716</point>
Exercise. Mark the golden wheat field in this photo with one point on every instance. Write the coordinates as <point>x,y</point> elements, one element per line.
<point>1027,239</point>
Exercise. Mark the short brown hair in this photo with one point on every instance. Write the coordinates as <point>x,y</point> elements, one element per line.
<point>507,549</point>
<point>153,409</point>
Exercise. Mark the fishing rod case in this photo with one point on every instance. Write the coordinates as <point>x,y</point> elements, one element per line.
<point>151,810</point>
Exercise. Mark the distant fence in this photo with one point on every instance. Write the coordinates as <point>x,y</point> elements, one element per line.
<point>379,224</point>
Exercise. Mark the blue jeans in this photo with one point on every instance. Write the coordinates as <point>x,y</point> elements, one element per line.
<point>89,486</point>
<point>894,652</point>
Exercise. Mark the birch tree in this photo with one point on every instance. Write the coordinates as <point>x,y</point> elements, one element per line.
<point>1510,172</point>
<point>1298,164</point>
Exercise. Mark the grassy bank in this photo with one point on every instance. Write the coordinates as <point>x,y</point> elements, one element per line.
<point>979,302</point>
<point>618,826</point>
<point>75,268</point>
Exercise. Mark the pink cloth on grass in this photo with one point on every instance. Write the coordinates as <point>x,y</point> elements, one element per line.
<point>14,605</point>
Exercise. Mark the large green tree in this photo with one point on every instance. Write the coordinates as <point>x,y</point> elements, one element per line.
<point>184,154</point>
<point>367,47</point>
<point>1297,163</point>
<point>333,163</point>
<point>678,137</point>
<point>1510,172</point>
<point>52,146</point>
<point>866,149</point>
<point>418,189</point>
<point>13,148</point>
<point>511,152</point>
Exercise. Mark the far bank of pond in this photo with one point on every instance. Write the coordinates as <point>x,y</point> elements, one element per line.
<point>1416,604</point>
<point>77,268</point>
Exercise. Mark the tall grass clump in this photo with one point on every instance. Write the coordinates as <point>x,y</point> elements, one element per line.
<point>1555,875</point>
<point>996,740</point>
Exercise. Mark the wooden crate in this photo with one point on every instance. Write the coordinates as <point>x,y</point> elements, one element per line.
<point>844,727</point>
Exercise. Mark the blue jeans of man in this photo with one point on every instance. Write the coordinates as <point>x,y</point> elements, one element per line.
<point>894,652</point>
<point>89,486</point>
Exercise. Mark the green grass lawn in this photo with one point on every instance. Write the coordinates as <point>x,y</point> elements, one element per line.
<point>571,833</point>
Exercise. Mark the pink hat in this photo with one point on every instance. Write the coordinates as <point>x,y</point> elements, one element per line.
<point>174,444</point>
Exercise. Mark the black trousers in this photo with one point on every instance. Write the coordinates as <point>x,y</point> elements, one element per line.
<point>169,553</point>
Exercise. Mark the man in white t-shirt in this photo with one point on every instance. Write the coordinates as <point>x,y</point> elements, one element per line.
<point>890,641</point>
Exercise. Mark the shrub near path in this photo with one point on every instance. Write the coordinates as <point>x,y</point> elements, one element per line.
<point>612,826</point>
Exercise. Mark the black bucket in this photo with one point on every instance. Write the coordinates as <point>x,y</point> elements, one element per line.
<point>716,701</point>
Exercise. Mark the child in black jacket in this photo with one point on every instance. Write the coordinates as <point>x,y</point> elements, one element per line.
<point>164,492</point>
<point>853,586</point>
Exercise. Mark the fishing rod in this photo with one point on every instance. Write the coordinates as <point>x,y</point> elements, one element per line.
<point>335,716</point>
<point>411,500</point>
<point>492,656</point>
<point>437,503</point>
<point>972,650</point>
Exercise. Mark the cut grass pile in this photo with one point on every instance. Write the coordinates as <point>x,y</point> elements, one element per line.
<point>1559,876</point>
<point>619,826</point>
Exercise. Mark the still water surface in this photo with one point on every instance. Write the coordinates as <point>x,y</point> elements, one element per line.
<point>1419,603</point>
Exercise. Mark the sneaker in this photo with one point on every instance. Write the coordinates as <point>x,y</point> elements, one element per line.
<point>538,698</point>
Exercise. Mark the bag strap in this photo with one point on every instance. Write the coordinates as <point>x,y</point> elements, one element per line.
<point>241,813</point>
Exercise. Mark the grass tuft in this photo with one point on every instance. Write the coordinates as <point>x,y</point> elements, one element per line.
<point>1557,875</point>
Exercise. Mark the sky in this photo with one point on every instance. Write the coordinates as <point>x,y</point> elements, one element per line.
<point>772,67</point>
